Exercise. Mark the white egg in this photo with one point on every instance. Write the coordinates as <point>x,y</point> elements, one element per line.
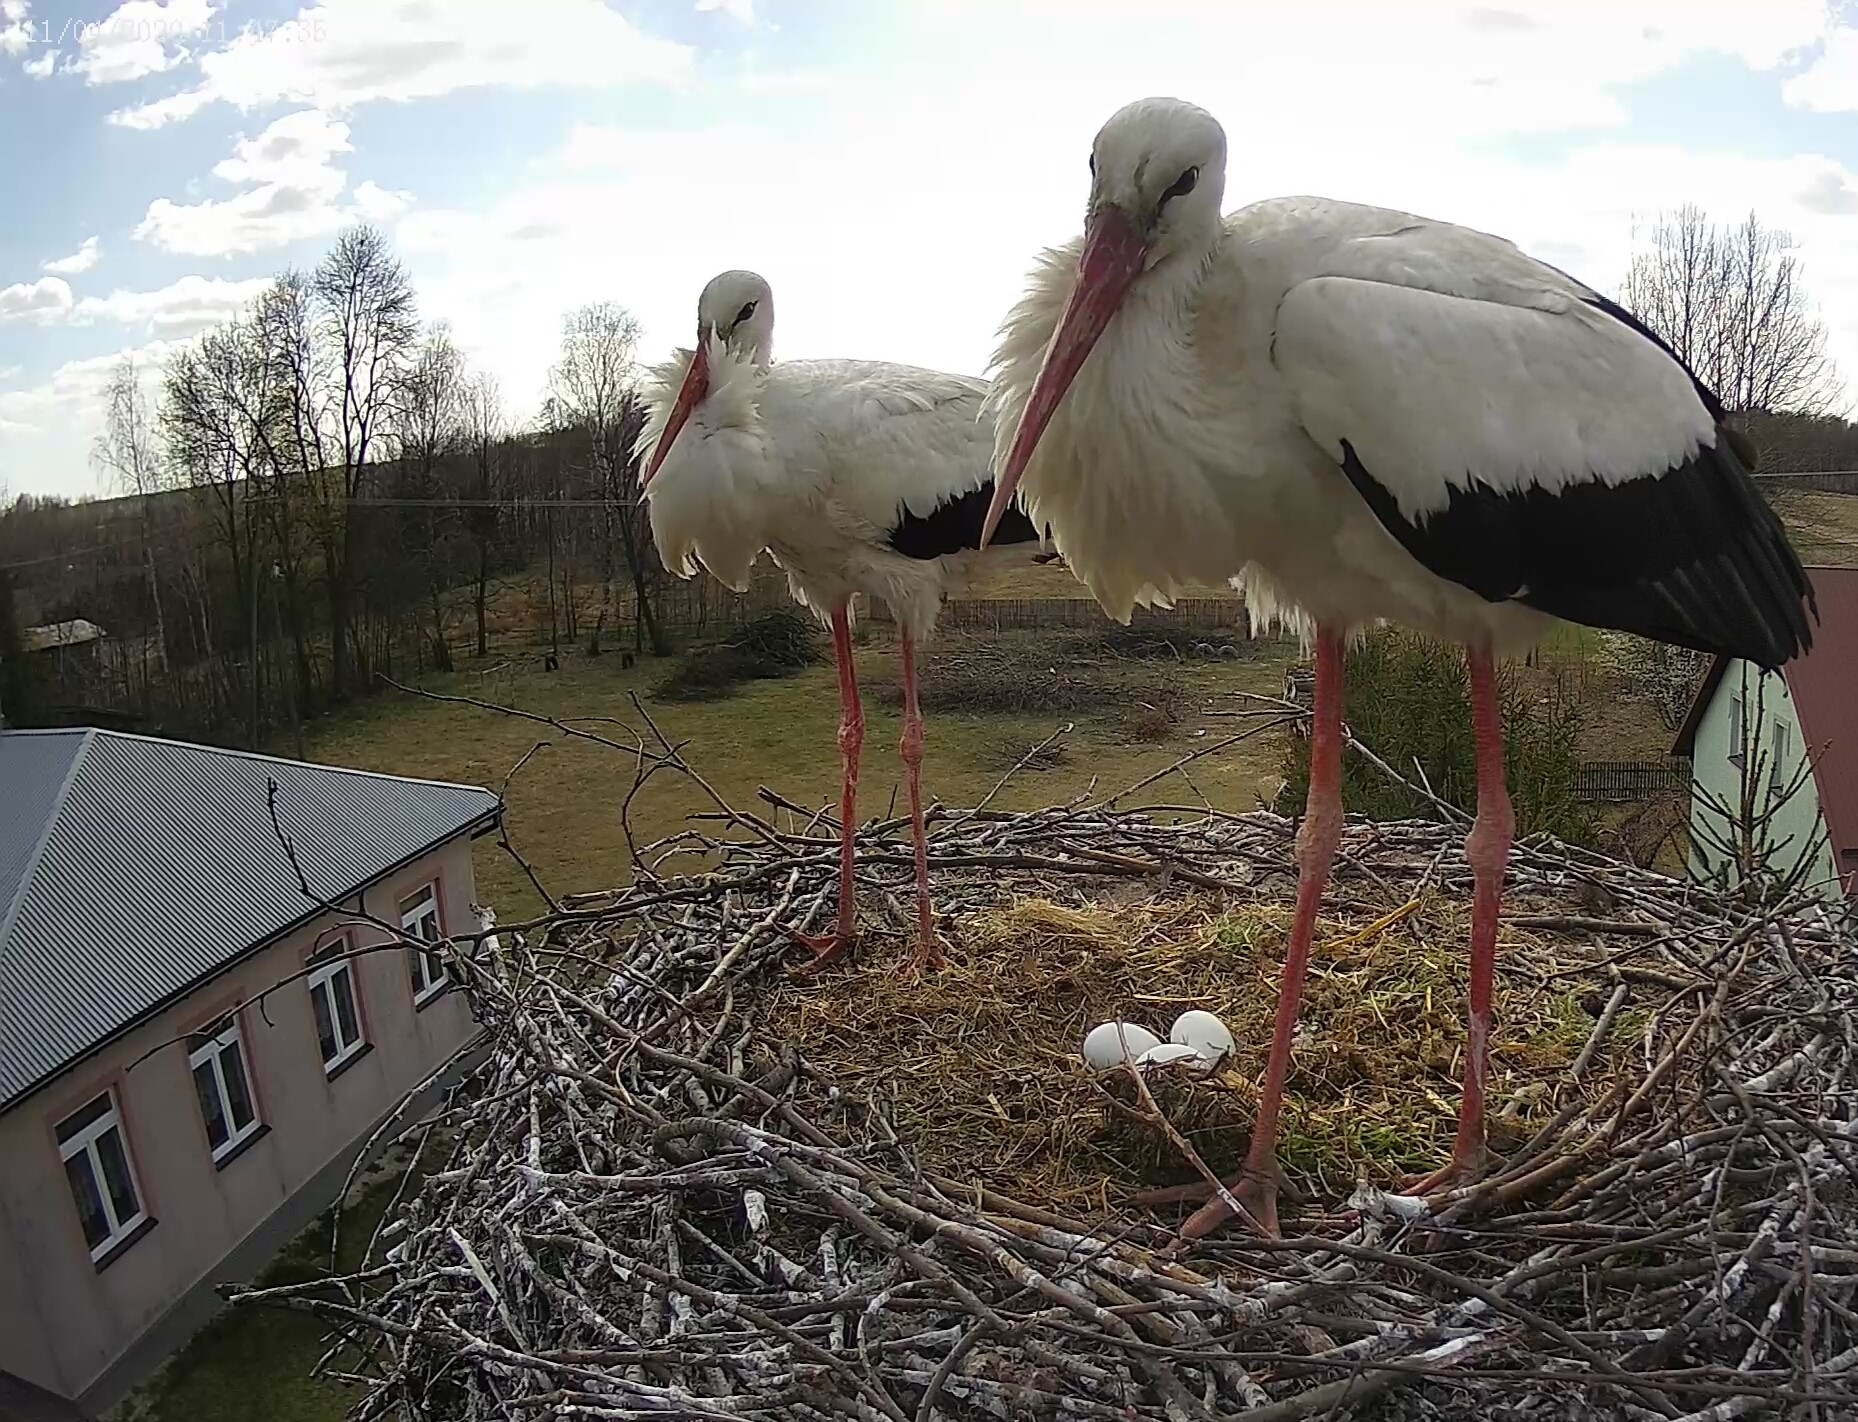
<point>1166,1054</point>
<point>1204,1032</point>
<point>1103,1049</point>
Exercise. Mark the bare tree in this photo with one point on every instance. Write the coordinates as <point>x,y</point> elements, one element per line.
<point>429,414</point>
<point>125,450</point>
<point>430,426</point>
<point>485,430</point>
<point>592,386</point>
<point>370,322</point>
<point>216,419</point>
<point>1731,302</point>
<point>285,324</point>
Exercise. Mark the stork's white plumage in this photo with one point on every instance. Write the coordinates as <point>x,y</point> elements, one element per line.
<point>854,476</point>
<point>1359,416</point>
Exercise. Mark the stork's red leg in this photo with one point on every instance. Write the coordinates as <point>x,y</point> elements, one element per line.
<point>928,950</point>
<point>829,948</point>
<point>1317,838</point>
<point>1488,850</point>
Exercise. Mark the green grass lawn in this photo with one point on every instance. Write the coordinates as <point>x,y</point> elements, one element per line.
<point>254,1363</point>
<point>565,803</point>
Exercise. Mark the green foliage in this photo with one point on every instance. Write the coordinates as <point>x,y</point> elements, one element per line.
<point>772,645</point>
<point>1407,699</point>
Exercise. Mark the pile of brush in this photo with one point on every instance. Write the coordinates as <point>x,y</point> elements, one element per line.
<point>685,1185</point>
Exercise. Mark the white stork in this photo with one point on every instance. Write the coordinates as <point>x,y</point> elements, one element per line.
<point>1362,416</point>
<point>855,476</point>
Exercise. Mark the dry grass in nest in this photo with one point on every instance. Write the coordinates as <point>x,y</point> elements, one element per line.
<point>978,1063</point>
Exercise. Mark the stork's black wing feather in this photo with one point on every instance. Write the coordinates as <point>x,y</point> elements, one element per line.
<point>1693,556</point>
<point>955,526</point>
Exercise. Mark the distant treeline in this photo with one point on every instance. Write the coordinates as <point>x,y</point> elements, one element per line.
<point>321,491</point>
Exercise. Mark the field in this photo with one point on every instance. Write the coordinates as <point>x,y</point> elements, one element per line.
<point>256,1363</point>
<point>1824,527</point>
<point>564,805</point>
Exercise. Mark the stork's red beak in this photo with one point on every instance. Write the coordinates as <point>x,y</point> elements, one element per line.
<point>689,395</point>
<point>1113,257</point>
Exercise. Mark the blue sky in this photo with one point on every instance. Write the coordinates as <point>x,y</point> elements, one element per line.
<point>892,168</point>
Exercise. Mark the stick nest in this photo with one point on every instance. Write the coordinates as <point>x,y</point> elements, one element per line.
<point>684,1184</point>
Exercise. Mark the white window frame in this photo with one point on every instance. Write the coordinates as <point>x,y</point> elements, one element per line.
<point>419,919</point>
<point>1777,766</point>
<point>319,981</point>
<point>229,1039</point>
<point>84,1143</point>
<point>1737,712</point>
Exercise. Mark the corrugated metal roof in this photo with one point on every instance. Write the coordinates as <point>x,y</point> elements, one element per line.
<point>1824,687</point>
<point>131,868</point>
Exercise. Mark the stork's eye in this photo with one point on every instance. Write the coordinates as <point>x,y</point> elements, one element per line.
<point>747,311</point>
<point>1181,186</point>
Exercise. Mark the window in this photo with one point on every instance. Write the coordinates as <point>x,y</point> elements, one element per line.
<point>419,918</point>
<point>102,1182</point>
<point>217,1059</point>
<point>338,1023</point>
<point>1736,748</point>
<point>1778,774</point>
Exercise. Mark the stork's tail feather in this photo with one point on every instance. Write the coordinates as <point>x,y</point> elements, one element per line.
<point>1736,586</point>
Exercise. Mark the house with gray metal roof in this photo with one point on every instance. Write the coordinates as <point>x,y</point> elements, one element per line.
<point>211,996</point>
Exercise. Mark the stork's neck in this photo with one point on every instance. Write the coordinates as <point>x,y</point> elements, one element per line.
<point>1152,335</point>
<point>753,347</point>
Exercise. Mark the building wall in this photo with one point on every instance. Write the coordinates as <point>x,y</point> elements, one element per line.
<point>1796,827</point>
<point>22,1330</point>
<point>89,1316</point>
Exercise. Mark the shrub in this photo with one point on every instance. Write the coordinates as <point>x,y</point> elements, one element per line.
<point>1148,724</point>
<point>1406,698</point>
<point>768,646</point>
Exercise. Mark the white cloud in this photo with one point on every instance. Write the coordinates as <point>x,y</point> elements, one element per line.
<point>1830,83</point>
<point>181,308</point>
<point>293,190</point>
<point>46,300</point>
<point>896,199</point>
<point>141,37</point>
<point>64,412</point>
<point>743,10</point>
<point>907,233</point>
<point>87,255</point>
<point>7,372</point>
<point>343,52</point>
<point>42,67</point>
<point>1830,192</point>
<point>16,29</point>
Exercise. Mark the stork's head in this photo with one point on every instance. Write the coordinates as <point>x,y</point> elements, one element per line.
<point>739,308</point>
<point>736,308</point>
<point>1157,177</point>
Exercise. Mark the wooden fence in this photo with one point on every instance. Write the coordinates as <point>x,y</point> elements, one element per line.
<point>1819,481</point>
<point>1037,614</point>
<point>1619,781</point>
